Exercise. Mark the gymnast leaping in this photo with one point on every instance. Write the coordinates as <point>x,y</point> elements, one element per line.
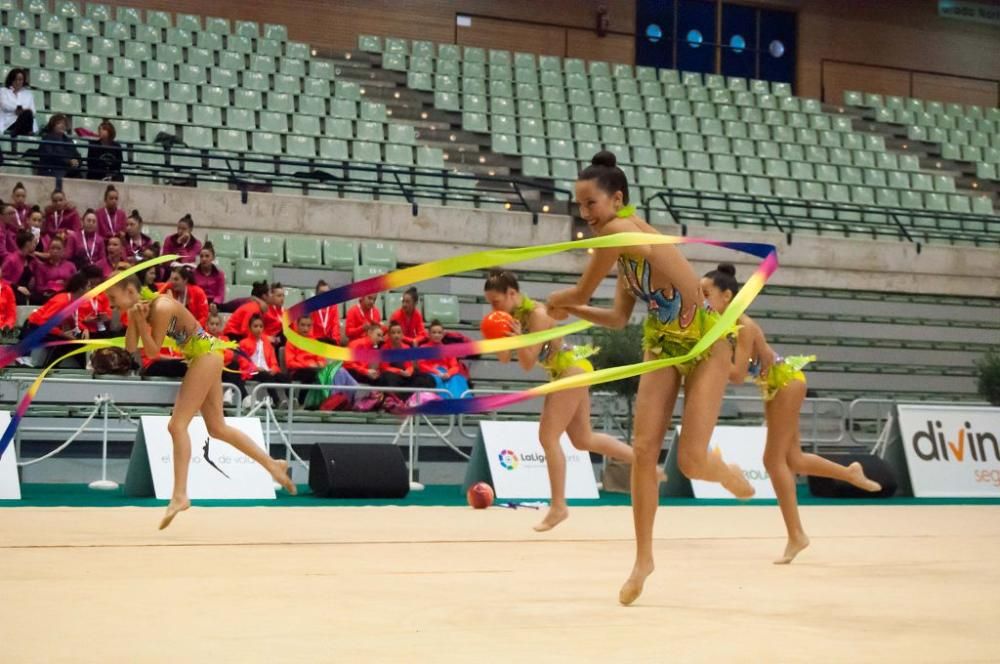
<point>783,388</point>
<point>567,411</point>
<point>151,319</point>
<point>660,277</point>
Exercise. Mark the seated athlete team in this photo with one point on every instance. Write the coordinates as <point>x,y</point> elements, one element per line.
<point>52,255</point>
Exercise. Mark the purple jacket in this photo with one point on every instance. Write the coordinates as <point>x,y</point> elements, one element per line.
<point>213,284</point>
<point>52,278</point>
<point>109,223</point>
<point>188,252</point>
<point>13,268</point>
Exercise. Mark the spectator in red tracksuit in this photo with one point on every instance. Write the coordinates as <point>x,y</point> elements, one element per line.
<point>238,324</point>
<point>447,372</point>
<point>193,298</point>
<point>402,374</point>
<point>229,357</point>
<point>302,365</point>
<point>363,372</point>
<point>410,319</point>
<point>326,321</point>
<point>360,316</point>
<point>259,361</point>
<point>8,308</point>
<point>68,329</point>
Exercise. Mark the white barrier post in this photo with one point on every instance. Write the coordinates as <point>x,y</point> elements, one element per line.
<point>104,484</point>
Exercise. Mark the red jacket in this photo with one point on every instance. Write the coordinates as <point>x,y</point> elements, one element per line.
<point>396,367</point>
<point>91,309</point>
<point>450,365</point>
<point>359,367</point>
<point>413,326</point>
<point>358,320</point>
<point>326,324</point>
<point>249,346</point>
<point>50,308</point>
<point>194,300</point>
<point>8,307</point>
<point>239,323</point>
<point>296,358</point>
<point>272,321</point>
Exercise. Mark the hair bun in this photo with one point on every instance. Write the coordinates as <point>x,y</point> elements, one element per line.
<point>727,268</point>
<point>605,158</point>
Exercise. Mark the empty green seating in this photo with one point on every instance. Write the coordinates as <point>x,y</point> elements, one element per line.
<point>381,254</point>
<point>444,308</point>
<point>339,254</point>
<point>266,247</point>
<point>228,244</point>
<point>303,251</point>
<point>249,270</point>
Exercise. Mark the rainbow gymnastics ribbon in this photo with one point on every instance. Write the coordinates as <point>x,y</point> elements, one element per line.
<point>493,257</point>
<point>37,340</point>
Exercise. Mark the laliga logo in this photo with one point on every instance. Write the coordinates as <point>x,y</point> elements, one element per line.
<point>508,459</point>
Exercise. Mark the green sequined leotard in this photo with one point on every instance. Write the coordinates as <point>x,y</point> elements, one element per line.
<point>555,358</point>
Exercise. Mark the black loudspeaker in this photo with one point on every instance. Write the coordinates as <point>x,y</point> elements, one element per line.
<point>350,470</point>
<point>875,469</point>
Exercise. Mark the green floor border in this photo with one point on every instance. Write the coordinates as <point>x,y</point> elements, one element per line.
<point>437,495</point>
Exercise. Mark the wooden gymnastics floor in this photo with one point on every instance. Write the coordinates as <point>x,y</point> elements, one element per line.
<point>448,584</point>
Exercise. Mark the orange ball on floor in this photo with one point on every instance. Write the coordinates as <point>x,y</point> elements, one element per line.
<point>480,495</point>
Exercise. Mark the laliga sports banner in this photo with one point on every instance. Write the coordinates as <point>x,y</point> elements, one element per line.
<point>10,488</point>
<point>743,446</point>
<point>217,470</point>
<point>951,450</point>
<point>515,463</point>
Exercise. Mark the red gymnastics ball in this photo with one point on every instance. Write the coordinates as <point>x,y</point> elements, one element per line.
<point>496,324</point>
<point>480,495</point>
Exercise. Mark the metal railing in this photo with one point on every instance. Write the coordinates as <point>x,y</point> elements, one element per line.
<point>787,215</point>
<point>409,426</point>
<point>866,415</point>
<point>246,172</point>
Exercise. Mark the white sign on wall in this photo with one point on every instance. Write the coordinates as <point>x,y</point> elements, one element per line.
<point>517,463</point>
<point>951,450</point>
<point>743,446</point>
<point>217,469</point>
<point>10,488</point>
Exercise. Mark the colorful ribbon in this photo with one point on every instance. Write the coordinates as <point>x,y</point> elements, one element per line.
<point>37,339</point>
<point>493,257</point>
<point>10,353</point>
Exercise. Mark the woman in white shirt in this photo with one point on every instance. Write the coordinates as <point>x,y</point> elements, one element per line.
<point>17,105</point>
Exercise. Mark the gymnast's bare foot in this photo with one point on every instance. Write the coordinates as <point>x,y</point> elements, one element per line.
<point>737,484</point>
<point>856,476</point>
<point>795,546</point>
<point>279,471</point>
<point>555,516</point>
<point>177,505</point>
<point>632,587</point>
